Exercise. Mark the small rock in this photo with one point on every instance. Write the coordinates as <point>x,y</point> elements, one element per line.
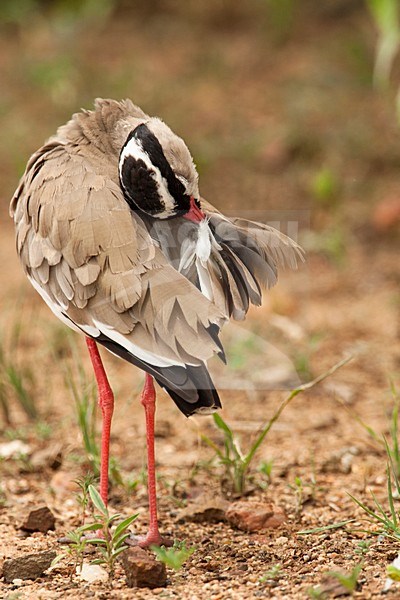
<point>255,516</point>
<point>18,486</point>
<point>28,566</point>
<point>14,449</point>
<point>92,573</point>
<point>205,511</point>
<point>386,214</point>
<point>341,461</point>
<point>142,569</point>
<point>389,581</point>
<point>331,587</point>
<point>50,456</point>
<point>40,519</point>
<point>164,429</point>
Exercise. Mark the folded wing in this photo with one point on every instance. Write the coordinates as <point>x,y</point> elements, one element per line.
<point>98,269</point>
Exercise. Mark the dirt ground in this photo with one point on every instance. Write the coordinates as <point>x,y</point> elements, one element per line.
<point>268,117</point>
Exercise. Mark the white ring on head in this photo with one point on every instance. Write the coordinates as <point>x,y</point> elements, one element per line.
<point>135,150</point>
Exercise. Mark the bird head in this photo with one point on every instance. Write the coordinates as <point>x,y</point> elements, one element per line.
<point>157,173</point>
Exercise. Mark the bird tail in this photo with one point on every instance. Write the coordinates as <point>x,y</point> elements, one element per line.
<point>190,387</point>
<point>203,399</point>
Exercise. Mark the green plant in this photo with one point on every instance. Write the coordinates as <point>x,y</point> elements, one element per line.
<point>131,483</point>
<point>43,430</point>
<point>265,468</point>
<point>302,363</point>
<point>16,379</point>
<point>316,593</point>
<point>3,497</point>
<point>325,186</point>
<point>273,574</point>
<point>386,16</point>
<point>331,242</point>
<point>74,549</point>
<point>112,542</point>
<point>281,15</point>
<point>394,451</point>
<point>387,521</point>
<point>348,581</point>
<point>363,547</point>
<point>235,462</point>
<point>303,490</point>
<point>393,572</point>
<point>390,445</point>
<point>173,557</point>
<point>325,528</point>
<point>176,490</point>
<point>83,497</point>
<point>387,20</point>
<point>84,394</point>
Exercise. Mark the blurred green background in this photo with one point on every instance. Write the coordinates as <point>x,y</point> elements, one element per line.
<point>275,98</point>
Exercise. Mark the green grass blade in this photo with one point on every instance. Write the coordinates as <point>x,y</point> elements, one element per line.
<point>212,445</point>
<point>118,551</point>
<point>390,498</point>
<point>222,425</point>
<point>97,542</point>
<point>98,561</point>
<point>326,527</point>
<point>121,527</point>
<point>230,442</point>
<point>97,500</point>
<point>366,509</point>
<point>302,388</point>
<point>89,527</point>
<point>17,383</point>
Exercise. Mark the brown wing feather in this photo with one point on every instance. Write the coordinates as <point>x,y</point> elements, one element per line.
<point>248,257</point>
<point>78,239</point>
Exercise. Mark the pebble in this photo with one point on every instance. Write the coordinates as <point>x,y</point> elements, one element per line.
<point>282,540</point>
<point>142,569</point>
<point>40,519</point>
<point>205,511</point>
<point>27,566</point>
<point>50,456</point>
<point>92,573</point>
<point>386,214</point>
<point>255,516</point>
<point>14,449</point>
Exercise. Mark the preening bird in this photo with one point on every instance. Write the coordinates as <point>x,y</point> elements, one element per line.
<point>113,234</point>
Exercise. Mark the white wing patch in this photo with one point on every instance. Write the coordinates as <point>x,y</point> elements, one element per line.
<point>199,251</point>
<point>149,357</point>
<point>203,245</point>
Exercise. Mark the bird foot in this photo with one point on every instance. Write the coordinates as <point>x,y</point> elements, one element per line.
<point>150,539</point>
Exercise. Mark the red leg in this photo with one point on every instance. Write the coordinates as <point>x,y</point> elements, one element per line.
<point>148,400</point>
<point>106,402</point>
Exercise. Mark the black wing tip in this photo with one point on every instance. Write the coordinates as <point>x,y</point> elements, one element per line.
<point>190,387</point>
<point>207,402</point>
